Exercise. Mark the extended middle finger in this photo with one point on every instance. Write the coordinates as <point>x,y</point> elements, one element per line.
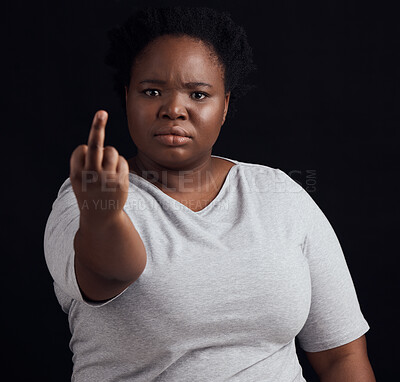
<point>94,155</point>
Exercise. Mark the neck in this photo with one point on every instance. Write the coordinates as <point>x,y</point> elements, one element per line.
<point>196,178</point>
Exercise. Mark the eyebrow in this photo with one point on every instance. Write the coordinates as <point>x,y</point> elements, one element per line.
<point>189,85</point>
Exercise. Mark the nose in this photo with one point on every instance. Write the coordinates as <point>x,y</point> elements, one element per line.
<point>173,108</point>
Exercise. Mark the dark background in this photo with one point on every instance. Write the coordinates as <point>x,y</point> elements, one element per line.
<point>325,111</point>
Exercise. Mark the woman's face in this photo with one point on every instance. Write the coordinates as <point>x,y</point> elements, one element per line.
<point>165,90</point>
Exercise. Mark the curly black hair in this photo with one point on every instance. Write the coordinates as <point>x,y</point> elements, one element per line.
<point>214,28</point>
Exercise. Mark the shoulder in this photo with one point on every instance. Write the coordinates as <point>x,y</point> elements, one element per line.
<point>275,189</point>
<point>266,179</point>
<point>65,188</point>
<point>65,194</point>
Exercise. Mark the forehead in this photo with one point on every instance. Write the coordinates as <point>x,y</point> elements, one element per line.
<point>178,56</point>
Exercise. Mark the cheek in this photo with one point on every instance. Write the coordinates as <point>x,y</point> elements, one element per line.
<point>138,114</point>
<point>211,114</point>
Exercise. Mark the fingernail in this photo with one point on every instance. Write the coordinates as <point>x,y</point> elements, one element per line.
<point>101,116</point>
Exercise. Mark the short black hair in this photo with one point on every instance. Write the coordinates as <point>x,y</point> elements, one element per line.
<point>228,40</point>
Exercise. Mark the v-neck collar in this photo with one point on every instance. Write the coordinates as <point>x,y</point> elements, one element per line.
<point>181,205</point>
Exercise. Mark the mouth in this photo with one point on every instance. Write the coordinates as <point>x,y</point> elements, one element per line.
<point>172,139</point>
<point>178,135</point>
<point>177,131</point>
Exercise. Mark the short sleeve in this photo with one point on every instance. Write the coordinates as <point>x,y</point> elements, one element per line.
<point>61,227</point>
<point>335,317</point>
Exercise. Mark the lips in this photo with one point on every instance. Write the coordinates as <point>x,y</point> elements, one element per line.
<point>174,130</point>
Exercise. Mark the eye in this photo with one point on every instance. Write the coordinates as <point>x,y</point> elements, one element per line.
<point>202,94</point>
<point>149,90</point>
<point>197,97</point>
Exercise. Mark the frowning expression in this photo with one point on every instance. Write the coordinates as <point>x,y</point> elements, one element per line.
<point>176,81</point>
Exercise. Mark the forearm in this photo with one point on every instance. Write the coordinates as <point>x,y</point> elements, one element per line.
<point>111,248</point>
<point>349,369</point>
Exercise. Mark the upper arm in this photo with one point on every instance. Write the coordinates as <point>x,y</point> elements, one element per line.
<point>322,360</point>
<point>335,316</point>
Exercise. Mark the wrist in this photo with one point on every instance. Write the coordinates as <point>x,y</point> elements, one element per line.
<point>100,219</point>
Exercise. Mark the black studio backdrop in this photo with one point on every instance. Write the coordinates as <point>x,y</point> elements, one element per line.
<point>325,110</point>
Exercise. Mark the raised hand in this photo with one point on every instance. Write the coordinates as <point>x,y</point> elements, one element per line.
<point>98,174</point>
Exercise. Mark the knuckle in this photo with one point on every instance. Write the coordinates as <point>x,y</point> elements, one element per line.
<point>77,155</point>
<point>95,146</point>
<point>110,154</point>
<point>111,150</point>
<point>122,161</point>
<point>123,167</point>
<point>80,149</point>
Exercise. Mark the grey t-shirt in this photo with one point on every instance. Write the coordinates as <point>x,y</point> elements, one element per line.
<point>225,290</point>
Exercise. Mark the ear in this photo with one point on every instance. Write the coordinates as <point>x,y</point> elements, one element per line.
<point>126,94</point>
<point>227,97</point>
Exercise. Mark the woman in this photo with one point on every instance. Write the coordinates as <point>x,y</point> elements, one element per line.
<point>179,265</point>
